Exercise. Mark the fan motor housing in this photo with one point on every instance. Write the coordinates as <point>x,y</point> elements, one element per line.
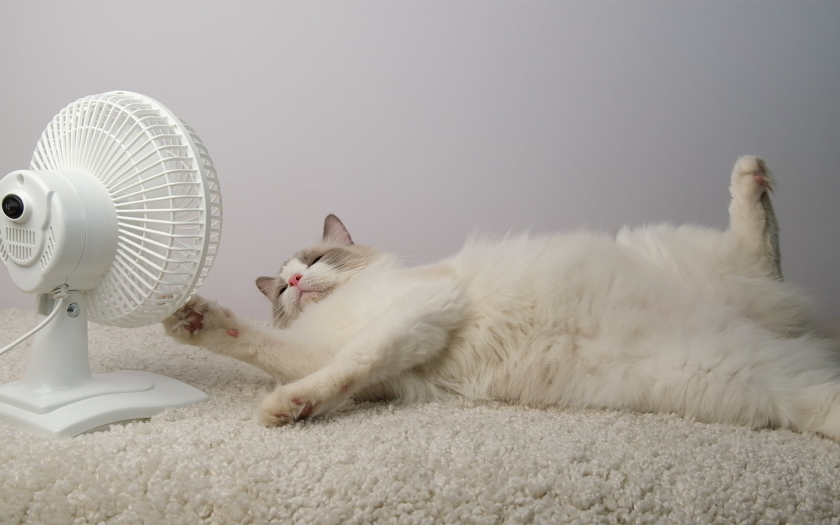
<point>57,227</point>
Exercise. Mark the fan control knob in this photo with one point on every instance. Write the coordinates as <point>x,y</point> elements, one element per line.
<point>12,206</point>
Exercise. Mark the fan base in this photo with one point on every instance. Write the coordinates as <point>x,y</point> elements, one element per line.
<point>101,410</point>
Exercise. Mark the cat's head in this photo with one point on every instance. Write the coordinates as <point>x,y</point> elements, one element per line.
<point>315,272</point>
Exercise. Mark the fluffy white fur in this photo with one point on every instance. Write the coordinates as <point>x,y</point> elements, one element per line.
<point>664,319</point>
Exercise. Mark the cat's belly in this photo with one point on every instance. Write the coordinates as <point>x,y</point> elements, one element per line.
<point>565,336</point>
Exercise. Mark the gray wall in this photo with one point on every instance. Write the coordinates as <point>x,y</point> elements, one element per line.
<point>419,123</point>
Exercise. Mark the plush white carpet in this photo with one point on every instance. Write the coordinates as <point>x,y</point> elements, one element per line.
<point>376,463</point>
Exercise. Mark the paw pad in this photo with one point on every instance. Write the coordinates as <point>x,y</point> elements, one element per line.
<point>307,410</point>
<point>195,321</point>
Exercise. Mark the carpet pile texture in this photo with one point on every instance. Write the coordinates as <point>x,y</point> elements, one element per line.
<point>456,462</point>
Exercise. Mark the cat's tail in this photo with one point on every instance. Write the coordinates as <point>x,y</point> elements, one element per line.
<point>751,215</point>
<point>804,392</point>
<point>749,375</point>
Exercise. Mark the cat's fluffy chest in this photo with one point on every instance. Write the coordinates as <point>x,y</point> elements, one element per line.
<point>366,297</point>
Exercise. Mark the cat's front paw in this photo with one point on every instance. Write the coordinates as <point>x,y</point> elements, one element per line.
<point>302,399</point>
<point>278,408</point>
<point>198,318</point>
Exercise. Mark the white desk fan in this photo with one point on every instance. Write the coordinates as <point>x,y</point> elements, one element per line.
<point>117,221</point>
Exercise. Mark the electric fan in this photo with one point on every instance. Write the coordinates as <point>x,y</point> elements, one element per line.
<point>117,221</point>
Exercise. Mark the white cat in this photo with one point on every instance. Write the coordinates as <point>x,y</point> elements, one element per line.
<point>660,319</point>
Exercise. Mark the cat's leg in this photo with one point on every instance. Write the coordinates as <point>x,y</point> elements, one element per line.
<point>751,215</point>
<point>745,375</point>
<point>204,323</point>
<point>413,330</point>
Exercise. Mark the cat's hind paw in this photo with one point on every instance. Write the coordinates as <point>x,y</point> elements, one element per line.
<point>751,178</point>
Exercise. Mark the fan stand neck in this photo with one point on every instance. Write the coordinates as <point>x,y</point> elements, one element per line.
<point>59,396</point>
<point>59,366</point>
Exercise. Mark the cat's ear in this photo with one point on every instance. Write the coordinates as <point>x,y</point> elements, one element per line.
<point>334,231</point>
<point>267,285</point>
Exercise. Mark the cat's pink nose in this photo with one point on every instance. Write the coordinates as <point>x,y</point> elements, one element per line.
<point>295,279</point>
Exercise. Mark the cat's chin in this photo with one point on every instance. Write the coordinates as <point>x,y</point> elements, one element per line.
<point>305,298</point>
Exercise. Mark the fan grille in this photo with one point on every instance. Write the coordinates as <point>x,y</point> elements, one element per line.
<point>165,192</point>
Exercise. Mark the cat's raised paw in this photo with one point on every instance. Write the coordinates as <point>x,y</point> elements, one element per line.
<point>751,178</point>
<point>197,317</point>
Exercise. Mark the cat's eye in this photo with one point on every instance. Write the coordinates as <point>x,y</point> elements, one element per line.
<point>315,260</point>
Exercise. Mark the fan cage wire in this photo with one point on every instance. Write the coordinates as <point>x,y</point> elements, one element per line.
<point>164,189</point>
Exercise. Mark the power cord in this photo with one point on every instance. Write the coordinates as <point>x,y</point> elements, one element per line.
<point>60,295</point>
